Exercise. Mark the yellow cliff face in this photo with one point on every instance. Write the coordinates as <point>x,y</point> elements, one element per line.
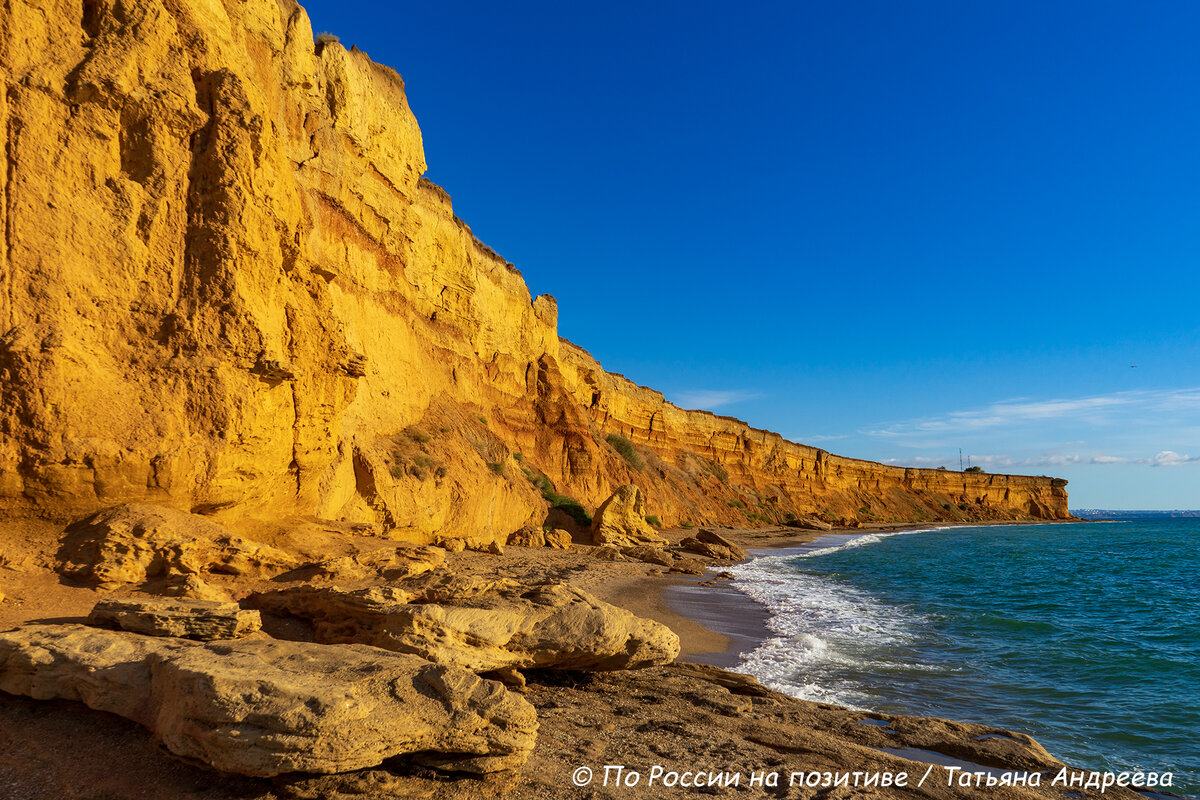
<point>228,287</point>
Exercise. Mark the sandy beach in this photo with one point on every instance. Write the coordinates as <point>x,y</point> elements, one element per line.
<point>684,716</point>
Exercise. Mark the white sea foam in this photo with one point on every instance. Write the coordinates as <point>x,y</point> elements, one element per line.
<point>856,540</point>
<point>824,631</point>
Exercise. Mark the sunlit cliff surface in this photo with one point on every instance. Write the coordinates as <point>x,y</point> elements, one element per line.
<point>228,288</point>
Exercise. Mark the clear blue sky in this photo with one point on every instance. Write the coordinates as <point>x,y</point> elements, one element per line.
<point>887,229</point>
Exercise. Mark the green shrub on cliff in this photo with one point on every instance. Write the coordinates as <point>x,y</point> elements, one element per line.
<point>573,508</point>
<point>973,469</point>
<point>625,448</point>
<point>653,520</point>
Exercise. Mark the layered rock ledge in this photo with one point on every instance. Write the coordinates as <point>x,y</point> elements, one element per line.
<point>481,625</point>
<point>265,707</point>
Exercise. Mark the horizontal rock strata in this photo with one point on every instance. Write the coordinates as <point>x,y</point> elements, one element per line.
<point>481,625</point>
<point>230,289</point>
<point>188,619</point>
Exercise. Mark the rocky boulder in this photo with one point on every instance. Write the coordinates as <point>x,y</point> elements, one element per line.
<point>713,545</point>
<point>389,563</point>
<point>265,707</point>
<point>190,587</point>
<point>650,555</point>
<point>621,520</point>
<point>607,552</point>
<point>132,544</point>
<point>482,625</point>
<point>558,539</point>
<point>528,536</point>
<point>452,544</point>
<point>189,619</point>
<point>712,537</point>
<point>809,523</point>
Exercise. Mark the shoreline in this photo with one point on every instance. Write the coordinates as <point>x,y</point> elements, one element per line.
<point>684,715</point>
<point>726,615</point>
<point>744,622</point>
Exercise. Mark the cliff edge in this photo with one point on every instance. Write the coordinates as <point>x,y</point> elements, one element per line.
<point>228,288</point>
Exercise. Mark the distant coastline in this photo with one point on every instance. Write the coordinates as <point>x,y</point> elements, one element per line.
<point>1100,514</point>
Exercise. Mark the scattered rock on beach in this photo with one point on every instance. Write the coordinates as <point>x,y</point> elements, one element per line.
<point>191,587</point>
<point>650,555</point>
<point>132,544</point>
<point>191,619</point>
<point>452,544</point>
<point>712,537</point>
<point>527,537</point>
<point>389,563</point>
<point>621,520</point>
<point>558,539</point>
<point>708,549</point>
<point>608,552</point>
<point>482,625</point>
<point>810,523</point>
<point>265,707</point>
<point>489,546</point>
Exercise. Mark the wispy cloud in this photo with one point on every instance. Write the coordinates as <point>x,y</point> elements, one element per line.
<point>814,438</point>
<point>1169,458</point>
<point>711,398</point>
<point>1165,458</point>
<point>1094,410</point>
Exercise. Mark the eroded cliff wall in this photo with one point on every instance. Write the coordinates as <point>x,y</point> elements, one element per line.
<point>226,286</point>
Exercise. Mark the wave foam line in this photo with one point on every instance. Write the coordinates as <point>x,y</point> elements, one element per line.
<point>825,631</point>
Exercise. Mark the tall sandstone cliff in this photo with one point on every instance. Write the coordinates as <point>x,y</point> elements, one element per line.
<point>228,288</point>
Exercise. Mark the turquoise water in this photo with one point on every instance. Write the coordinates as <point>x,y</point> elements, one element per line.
<point>1086,636</point>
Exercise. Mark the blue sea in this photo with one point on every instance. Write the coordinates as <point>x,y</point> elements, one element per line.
<point>1085,636</point>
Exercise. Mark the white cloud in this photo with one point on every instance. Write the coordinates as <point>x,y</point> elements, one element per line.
<point>711,398</point>
<point>1096,410</point>
<point>1166,458</point>
<point>1169,458</point>
<point>814,438</point>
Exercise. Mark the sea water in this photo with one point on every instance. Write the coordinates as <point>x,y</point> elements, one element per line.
<point>1085,636</point>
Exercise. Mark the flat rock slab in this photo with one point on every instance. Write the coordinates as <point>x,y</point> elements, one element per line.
<point>389,563</point>
<point>189,619</point>
<point>482,625</point>
<point>265,707</point>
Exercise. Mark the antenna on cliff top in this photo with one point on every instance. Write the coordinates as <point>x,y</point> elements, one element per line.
<point>960,469</point>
